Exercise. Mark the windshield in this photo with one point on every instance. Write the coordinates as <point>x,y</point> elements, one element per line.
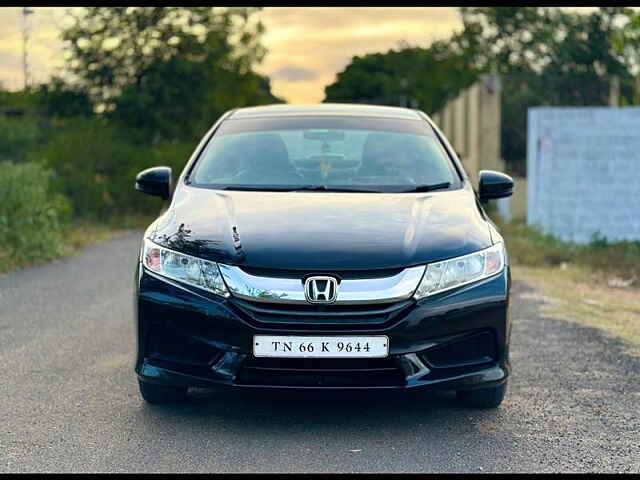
<point>355,154</point>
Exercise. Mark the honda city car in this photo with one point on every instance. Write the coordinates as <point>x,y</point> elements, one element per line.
<point>323,247</point>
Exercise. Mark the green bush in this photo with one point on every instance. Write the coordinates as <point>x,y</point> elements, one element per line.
<point>17,136</point>
<point>172,154</point>
<point>91,165</point>
<point>32,217</point>
<point>95,165</point>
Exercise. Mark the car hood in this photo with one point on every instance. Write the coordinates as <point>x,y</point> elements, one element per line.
<point>322,231</point>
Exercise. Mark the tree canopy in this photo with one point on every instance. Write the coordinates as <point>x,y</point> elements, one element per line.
<point>545,56</point>
<point>164,72</point>
<point>424,78</point>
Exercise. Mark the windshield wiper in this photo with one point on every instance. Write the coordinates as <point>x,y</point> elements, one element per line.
<point>325,188</point>
<point>255,188</point>
<point>293,188</point>
<point>429,188</point>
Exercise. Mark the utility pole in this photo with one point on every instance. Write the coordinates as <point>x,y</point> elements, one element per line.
<point>26,11</point>
<point>614,91</point>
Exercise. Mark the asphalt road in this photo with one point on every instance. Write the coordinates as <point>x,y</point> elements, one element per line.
<point>69,400</point>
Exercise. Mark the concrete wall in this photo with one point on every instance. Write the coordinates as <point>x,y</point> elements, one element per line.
<point>471,122</point>
<point>583,170</point>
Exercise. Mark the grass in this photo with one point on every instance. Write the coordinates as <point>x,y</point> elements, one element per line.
<point>597,284</point>
<point>573,294</point>
<point>615,263</point>
<point>80,234</point>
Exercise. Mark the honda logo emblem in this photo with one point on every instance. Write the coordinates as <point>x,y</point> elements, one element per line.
<point>321,289</point>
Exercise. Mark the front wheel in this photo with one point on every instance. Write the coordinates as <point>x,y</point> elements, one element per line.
<point>483,397</point>
<point>159,394</point>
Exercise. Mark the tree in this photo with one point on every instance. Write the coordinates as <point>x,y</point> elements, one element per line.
<point>546,56</point>
<point>626,42</point>
<point>424,78</point>
<point>164,72</point>
<point>180,98</point>
<point>113,47</point>
<point>58,99</point>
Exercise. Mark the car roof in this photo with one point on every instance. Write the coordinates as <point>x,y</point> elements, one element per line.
<point>328,109</point>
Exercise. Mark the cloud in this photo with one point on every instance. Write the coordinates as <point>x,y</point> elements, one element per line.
<point>307,46</point>
<point>325,39</point>
<point>291,73</point>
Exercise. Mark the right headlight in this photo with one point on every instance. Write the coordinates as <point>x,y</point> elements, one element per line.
<point>459,271</point>
<point>184,268</point>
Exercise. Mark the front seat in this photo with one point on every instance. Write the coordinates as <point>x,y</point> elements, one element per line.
<point>268,163</point>
<point>374,147</point>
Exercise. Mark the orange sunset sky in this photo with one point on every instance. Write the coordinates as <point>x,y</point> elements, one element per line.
<point>307,46</point>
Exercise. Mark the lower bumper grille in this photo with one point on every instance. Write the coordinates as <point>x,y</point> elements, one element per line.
<point>321,372</point>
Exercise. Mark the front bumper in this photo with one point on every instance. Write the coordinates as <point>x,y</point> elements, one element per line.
<point>457,340</point>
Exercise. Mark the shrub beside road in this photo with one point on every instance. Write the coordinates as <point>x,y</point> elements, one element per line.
<point>36,220</point>
<point>32,216</point>
<point>527,246</point>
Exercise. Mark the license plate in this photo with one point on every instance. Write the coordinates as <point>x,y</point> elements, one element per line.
<point>320,347</point>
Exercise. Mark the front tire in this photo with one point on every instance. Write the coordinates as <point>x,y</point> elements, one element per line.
<point>483,397</point>
<point>160,394</point>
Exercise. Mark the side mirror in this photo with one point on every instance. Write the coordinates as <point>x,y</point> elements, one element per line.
<point>155,181</point>
<point>494,185</point>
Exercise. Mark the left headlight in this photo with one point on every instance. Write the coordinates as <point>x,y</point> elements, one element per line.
<point>183,268</point>
<point>459,271</point>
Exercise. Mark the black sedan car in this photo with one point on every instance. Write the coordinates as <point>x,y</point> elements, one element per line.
<point>330,246</point>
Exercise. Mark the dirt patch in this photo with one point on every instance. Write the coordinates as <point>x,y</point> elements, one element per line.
<point>574,294</point>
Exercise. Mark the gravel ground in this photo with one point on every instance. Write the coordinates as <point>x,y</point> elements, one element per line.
<point>70,401</point>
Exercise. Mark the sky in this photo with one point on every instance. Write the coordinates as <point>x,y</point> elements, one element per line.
<point>307,46</point>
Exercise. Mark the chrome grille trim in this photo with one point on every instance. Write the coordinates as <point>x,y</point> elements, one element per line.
<point>351,291</point>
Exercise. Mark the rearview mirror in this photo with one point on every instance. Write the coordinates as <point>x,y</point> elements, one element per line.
<point>326,135</point>
<point>494,185</point>
<point>155,181</point>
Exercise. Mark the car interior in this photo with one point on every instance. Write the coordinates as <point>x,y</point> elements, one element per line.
<point>324,157</point>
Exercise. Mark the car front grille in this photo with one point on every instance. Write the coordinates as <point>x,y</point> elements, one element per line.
<point>321,317</point>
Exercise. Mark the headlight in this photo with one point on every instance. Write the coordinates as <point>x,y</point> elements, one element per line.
<point>184,268</point>
<point>442,276</point>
